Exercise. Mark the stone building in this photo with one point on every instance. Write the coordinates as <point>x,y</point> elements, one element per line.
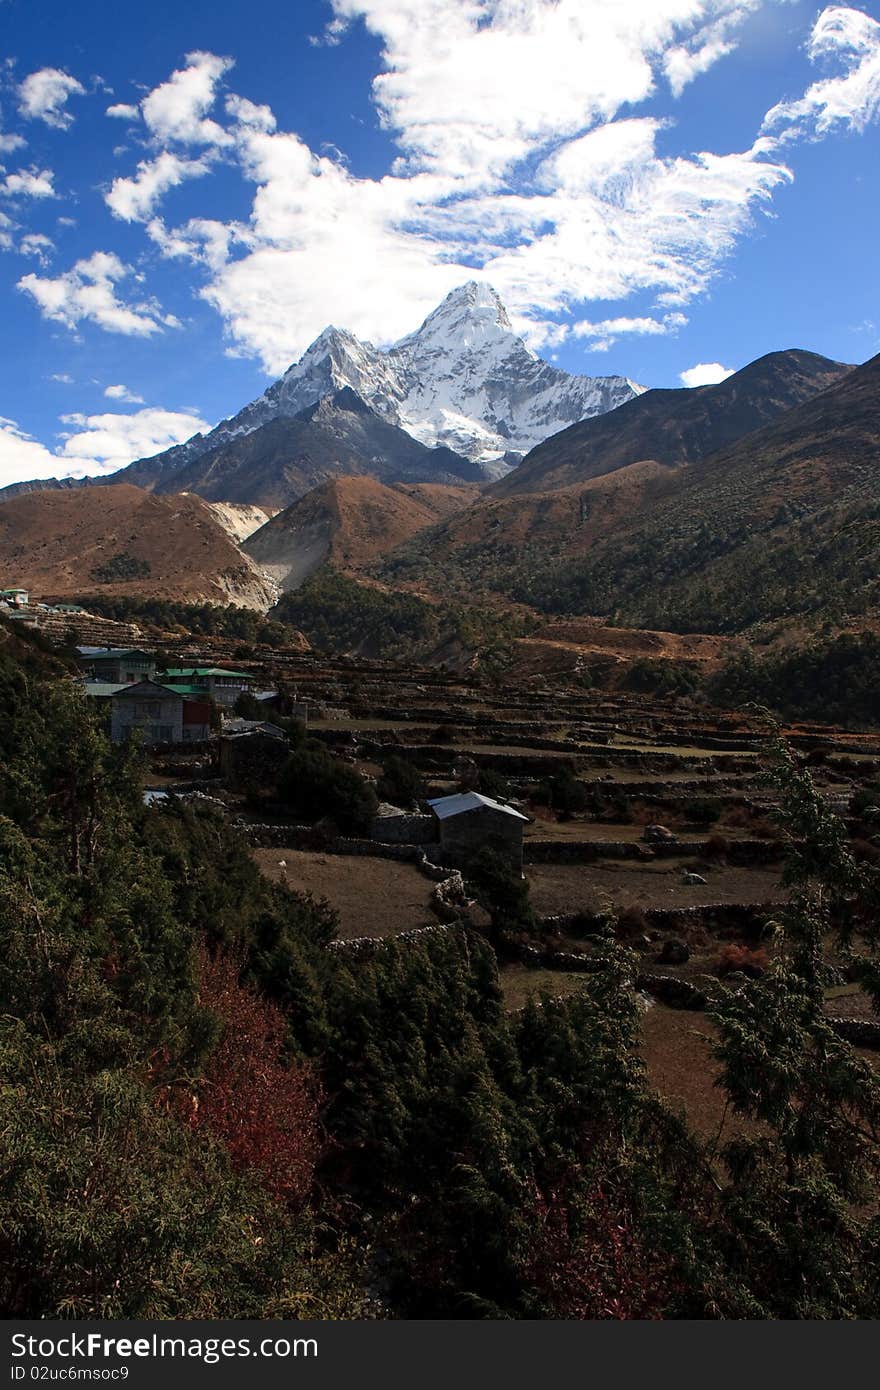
<point>469,822</point>
<point>147,708</point>
<point>158,713</point>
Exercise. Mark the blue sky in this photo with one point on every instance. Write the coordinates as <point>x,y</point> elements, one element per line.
<point>661,188</point>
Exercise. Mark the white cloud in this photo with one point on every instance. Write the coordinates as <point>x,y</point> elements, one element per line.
<point>63,377</point>
<point>22,456</point>
<point>705,47</point>
<point>87,293</point>
<point>248,113</point>
<point>10,143</point>
<point>523,159</point>
<point>451,67</point>
<point>38,245</point>
<point>28,183</point>
<point>177,110</point>
<point>602,217</point>
<point>43,96</point>
<point>121,111</point>
<point>705,374</point>
<point>604,334</point>
<point>134,199</point>
<point>100,444</point>
<point>122,393</point>
<point>853,99</point>
<point>553,197</point>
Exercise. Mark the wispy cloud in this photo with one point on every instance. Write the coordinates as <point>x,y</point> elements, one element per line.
<point>604,334</point>
<point>850,99</point>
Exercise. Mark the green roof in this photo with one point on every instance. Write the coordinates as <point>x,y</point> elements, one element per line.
<point>206,671</point>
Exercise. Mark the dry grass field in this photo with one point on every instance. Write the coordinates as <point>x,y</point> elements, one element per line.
<point>374,897</point>
<point>561,888</point>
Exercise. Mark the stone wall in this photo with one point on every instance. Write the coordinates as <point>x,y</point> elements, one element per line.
<point>370,945</point>
<point>741,919</point>
<point>861,1032</point>
<point>415,829</point>
<point>743,853</point>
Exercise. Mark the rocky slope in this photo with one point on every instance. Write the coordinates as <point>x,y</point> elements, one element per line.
<point>349,523</point>
<point>239,519</point>
<point>63,544</point>
<point>278,462</point>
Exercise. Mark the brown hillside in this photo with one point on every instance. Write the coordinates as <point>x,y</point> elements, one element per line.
<point>57,543</point>
<point>571,518</point>
<point>350,522</point>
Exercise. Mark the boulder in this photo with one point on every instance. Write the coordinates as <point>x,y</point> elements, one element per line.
<point>657,834</point>
<point>674,952</point>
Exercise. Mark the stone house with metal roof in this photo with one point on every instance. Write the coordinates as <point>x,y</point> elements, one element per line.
<point>159,714</point>
<point>469,822</point>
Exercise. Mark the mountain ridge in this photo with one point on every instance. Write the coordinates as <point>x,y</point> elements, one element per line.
<point>464,380</point>
<point>707,545</point>
<point>676,426</point>
<point>278,462</point>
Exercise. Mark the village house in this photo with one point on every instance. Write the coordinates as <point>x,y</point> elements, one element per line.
<point>145,707</point>
<point>221,686</point>
<point>469,822</point>
<point>117,665</point>
<point>15,598</point>
<point>158,713</point>
<point>23,617</point>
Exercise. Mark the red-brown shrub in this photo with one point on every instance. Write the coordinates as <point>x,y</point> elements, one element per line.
<point>748,961</point>
<point>264,1110</point>
<point>598,1267</point>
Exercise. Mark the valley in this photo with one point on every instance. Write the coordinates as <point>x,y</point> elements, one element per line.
<point>447,794</point>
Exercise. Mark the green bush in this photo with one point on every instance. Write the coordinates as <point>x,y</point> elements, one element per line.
<point>316,786</point>
<point>702,810</point>
<point>120,568</point>
<point>401,782</point>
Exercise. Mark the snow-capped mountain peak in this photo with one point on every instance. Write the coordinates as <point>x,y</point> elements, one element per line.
<point>463,379</point>
<point>470,382</point>
<point>470,314</point>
